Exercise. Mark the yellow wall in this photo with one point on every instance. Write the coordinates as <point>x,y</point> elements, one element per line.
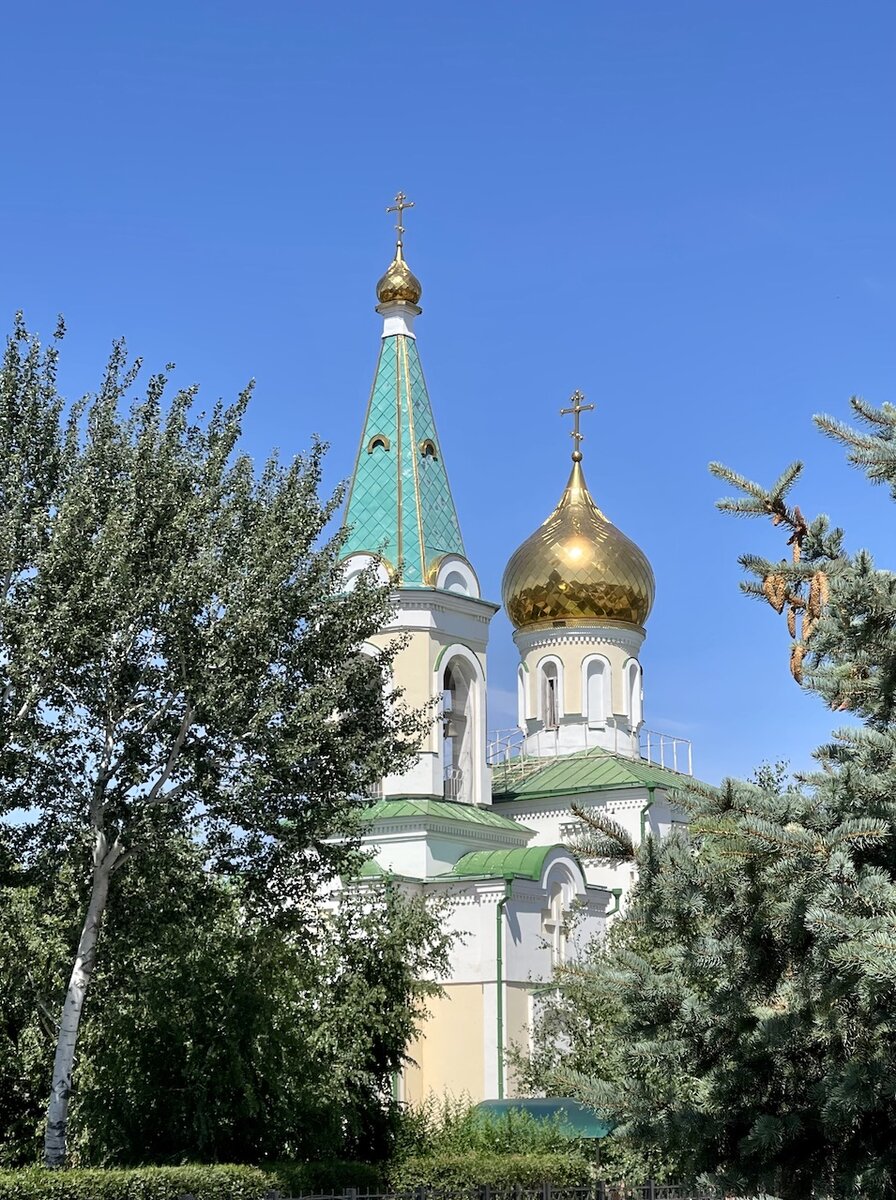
<point>449,1051</point>
<point>516,1030</point>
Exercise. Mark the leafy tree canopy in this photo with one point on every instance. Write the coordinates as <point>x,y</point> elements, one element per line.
<point>178,656</point>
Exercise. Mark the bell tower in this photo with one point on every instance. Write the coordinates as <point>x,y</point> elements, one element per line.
<point>400,515</point>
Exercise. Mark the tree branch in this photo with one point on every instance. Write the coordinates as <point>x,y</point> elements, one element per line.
<point>174,755</point>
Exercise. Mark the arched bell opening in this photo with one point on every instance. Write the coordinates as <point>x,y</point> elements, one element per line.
<point>463,738</point>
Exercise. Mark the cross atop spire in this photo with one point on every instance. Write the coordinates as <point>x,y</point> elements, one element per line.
<point>575,411</point>
<point>401,203</point>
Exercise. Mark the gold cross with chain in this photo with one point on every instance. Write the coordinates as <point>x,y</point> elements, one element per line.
<point>577,408</point>
<point>401,203</point>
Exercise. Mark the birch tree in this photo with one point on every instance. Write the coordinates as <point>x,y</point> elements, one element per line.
<point>177,652</point>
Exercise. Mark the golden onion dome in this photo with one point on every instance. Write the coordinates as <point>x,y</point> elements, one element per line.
<point>399,282</point>
<point>577,568</point>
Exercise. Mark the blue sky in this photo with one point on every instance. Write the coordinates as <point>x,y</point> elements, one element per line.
<point>686,210</point>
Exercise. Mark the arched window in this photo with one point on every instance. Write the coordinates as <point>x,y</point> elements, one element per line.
<point>550,704</point>
<point>521,697</point>
<point>428,448</point>
<point>554,926</point>
<point>633,692</point>
<point>379,441</point>
<point>596,695</point>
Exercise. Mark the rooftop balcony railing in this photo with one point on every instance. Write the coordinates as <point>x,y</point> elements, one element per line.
<point>527,753</point>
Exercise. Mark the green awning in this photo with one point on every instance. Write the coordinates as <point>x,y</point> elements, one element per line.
<point>583,1122</point>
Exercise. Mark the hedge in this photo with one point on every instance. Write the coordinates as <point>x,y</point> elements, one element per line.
<point>213,1182</point>
<point>462,1172</point>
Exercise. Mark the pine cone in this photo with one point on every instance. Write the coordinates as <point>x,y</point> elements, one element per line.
<point>797,654</point>
<point>775,588</point>
<point>818,593</point>
<point>808,628</point>
<point>791,621</point>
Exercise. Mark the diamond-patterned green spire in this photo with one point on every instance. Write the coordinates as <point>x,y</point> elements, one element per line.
<point>400,505</point>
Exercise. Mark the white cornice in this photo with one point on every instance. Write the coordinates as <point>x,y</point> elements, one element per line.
<point>578,635</point>
<point>442,601</point>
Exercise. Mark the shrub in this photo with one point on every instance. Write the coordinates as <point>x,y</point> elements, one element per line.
<point>455,1127</point>
<point>466,1170</point>
<point>217,1182</point>
<point>292,1178</point>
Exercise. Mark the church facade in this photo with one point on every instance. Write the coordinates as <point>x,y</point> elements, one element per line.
<point>482,820</point>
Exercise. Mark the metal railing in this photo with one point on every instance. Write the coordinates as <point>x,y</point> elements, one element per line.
<point>544,1191</point>
<point>511,748</point>
<point>453,784</point>
<point>667,750</point>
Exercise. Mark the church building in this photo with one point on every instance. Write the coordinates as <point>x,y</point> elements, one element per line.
<point>482,819</point>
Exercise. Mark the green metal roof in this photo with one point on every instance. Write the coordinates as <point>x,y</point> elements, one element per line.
<point>400,505</point>
<point>422,808</point>
<point>527,862</point>
<point>370,869</point>
<point>585,771</point>
<point>580,1121</point>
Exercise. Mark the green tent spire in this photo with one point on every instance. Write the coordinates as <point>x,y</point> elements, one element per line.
<point>400,506</point>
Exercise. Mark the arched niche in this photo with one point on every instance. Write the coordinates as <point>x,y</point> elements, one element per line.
<point>597,691</point>
<point>454,574</point>
<point>356,564</point>
<point>632,692</point>
<point>522,707</point>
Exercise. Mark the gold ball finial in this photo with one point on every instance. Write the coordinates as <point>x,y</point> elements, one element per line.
<point>399,284</point>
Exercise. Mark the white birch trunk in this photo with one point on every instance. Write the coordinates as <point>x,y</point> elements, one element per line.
<point>57,1111</point>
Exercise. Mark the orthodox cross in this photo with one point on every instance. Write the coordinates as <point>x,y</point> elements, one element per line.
<point>401,203</point>
<point>575,411</point>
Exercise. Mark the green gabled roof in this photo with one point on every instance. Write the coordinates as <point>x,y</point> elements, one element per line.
<point>526,862</point>
<point>370,869</point>
<point>586,771</point>
<point>400,505</point>
<point>423,808</point>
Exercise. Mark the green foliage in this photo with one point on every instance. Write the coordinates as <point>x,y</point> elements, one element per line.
<point>335,1175</point>
<point>450,1144</point>
<point>220,1181</point>
<point>460,1172</point>
<point>455,1127</point>
<point>739,1022</point>
<point>212,1034</point>
<point>179,660</point>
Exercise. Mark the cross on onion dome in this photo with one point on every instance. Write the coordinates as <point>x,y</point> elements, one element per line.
<point>401,203</point>
<point>575,411</point>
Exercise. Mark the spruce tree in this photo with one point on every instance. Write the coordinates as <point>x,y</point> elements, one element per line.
<point>752,981</point>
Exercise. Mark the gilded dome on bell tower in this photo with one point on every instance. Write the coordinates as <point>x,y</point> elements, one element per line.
<point>399,282</point>
<point>577,568</point>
